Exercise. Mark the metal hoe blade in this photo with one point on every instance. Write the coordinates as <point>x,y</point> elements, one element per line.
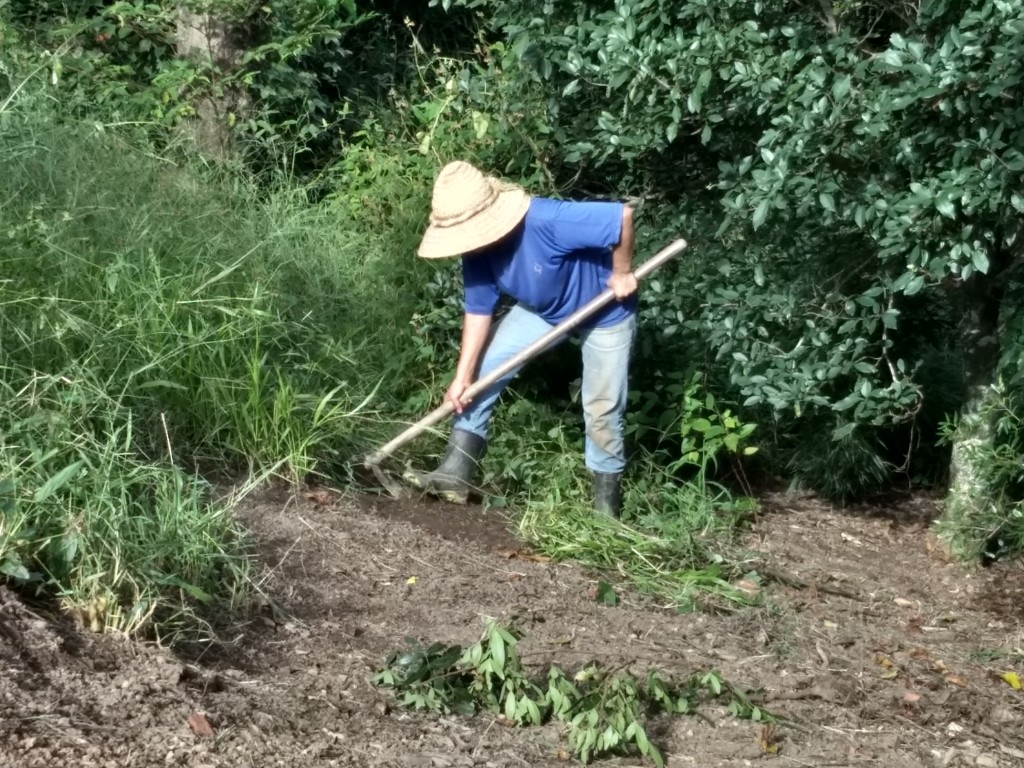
<point>387,482</point>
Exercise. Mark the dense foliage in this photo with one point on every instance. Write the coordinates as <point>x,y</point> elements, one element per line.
<point>853,175</point>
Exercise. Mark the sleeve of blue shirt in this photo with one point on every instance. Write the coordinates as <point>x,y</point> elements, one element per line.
<point>576,226</point>
<point>481,289</point>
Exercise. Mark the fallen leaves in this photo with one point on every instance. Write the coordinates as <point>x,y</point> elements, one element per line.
<point>321,497</point>
<point>891,671</point>
<point>911,699</point>
<point>199,725</point>
<point>748,587</point>
<point>956,680</point>
<point>1012,679</point>
<point>522,554</point>
<point>939,666</point>
<point>768,741</point>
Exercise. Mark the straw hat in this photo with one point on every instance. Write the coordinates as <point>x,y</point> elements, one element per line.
<point>469,211</point>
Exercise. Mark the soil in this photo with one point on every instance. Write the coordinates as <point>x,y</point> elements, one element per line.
<point>873,647</point>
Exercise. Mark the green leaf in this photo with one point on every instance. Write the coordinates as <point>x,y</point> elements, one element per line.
<point>533,711</point>
<point>946,208</point>
<point>57,482</point>
<point>606,594</point>
<point>497,646</point>
<point>915,285</point>
<point>11,566</point>
<point>7,500</point>
<point>693,101</point>
<point>827,202</point>
<point>892,59</point>
<point>715,683</point>
<point>844,431</point>
<point>980,261</point>
<point>641,741</point>
<point>847,402</point>
<point>760,213</point>
<point>193,591</point>
<point>69,546</point>
<point>841,87</point>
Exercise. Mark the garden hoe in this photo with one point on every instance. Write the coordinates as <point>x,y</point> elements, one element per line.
<point>395,487</point>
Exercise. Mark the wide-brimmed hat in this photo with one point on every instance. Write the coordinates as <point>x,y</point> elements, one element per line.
<point>469,210</point>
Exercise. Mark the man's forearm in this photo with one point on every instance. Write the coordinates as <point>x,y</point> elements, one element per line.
<point>622,253</point>
<point>475,329</point>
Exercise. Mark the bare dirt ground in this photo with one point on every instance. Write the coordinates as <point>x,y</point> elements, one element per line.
<point>878,650</point>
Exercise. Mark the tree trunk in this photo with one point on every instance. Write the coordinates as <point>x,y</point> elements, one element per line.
<point>217,40</point>
<point>971,508</point>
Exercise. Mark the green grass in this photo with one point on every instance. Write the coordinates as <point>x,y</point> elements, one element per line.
<point>676,532</point>
<point>123,541</point>
<point>677,555</point>
<point>159,319</point>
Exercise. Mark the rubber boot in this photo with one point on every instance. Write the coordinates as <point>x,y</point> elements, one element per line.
<point>608,494</point>
<point>454,477</point>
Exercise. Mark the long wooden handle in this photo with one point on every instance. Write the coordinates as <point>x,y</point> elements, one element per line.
<point>574,320</point>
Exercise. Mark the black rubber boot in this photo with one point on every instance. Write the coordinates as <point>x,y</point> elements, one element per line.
<point>608,494</point>
<point>454,477</point>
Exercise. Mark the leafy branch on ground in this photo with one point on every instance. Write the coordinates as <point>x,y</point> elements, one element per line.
<point>602,709</point>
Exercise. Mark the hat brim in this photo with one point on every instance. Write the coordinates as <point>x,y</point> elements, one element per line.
<point>488,226</point>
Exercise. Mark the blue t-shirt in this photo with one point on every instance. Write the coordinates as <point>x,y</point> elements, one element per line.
<point>554,262</point>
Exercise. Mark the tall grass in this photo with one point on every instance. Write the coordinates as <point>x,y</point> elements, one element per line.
<point>122,540</point>
<point>161,318</point>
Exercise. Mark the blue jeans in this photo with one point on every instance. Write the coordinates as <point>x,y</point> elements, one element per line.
<point>606,353</point>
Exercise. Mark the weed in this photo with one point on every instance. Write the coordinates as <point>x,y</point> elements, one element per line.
<point>603,709</point>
